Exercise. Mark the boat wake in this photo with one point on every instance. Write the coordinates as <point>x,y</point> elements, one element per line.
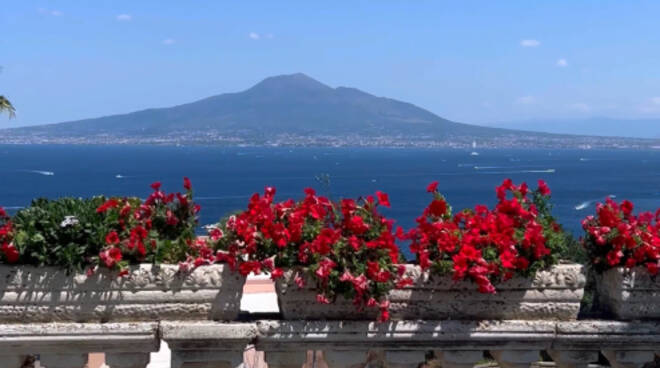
<point>543,171</point>
<point>40,172</point>
<point>590,202</point>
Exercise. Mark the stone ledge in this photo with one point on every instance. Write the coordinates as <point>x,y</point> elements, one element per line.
<point>78,338</point>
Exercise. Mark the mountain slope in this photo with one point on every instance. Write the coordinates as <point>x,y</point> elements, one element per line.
<point>290,110</point>
<point>295,104</point>
<point>601,126</point>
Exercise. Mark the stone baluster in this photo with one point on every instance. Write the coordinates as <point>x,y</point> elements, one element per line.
<point>67,345</point>
<point>207,344</point>
<point>458,358</point>
<point>515,358</point>
<point>628,358</point>
<point>573,358</point>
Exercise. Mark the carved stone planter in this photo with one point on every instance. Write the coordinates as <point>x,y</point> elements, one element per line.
<point>553,294</point>
<point>147,293</point>
<point>630,293</point>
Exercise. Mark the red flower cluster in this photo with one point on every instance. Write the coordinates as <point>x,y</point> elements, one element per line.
<point>486,245</point>
<point>324,242</point>
<point>8,251</point>
<point>616,237</point>
<point>139,228</point>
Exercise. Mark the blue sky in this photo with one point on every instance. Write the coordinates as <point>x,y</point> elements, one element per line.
<point>469,61</point>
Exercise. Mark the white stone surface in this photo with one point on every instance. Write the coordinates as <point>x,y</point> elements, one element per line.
<point>398,344</point>
<point>260,303</point>
<point>147,293</point>
<point>630,294</point>
<point>554,294</point>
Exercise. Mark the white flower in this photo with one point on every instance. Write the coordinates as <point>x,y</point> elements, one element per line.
<point>69,221</point>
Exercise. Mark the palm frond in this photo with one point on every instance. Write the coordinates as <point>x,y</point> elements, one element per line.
<point>5,105</point>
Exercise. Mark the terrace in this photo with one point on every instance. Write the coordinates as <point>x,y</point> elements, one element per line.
<point>260,338</point>
<point>391,314</point>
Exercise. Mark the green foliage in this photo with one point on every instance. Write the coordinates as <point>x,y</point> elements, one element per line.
<point>562,244</point>
<point>66,232</point>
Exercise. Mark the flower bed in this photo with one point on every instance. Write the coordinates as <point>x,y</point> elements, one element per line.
<point>624,250</point>
<point>344,256</point>
<point>509,254</point>
<point>111,259</point>
<point>339,250</point>
<point>133,259</point>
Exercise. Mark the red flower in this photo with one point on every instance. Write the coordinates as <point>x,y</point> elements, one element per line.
<point>156,186</point>
<point>357,226</point>
<point>626,208</point>
<point>433,187</point>
<point>322,299</point>
<point>110,257</point>
<point>215,234</point>
<point>383,198</point>
<point>248,267</point>
<point>269,192</point>
<point>110,203</point>
<point>112,238</point>
<point>543,188</point>
<point>384,315</point>
<point>276,273</point>
<point>10,252</point>
<point>614,257</point>
<point>507,258</point>
<point>437,208</point>
<point>325,267</point>
<point>186,184</point>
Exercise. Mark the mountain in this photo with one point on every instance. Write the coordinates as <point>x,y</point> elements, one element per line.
<point>289,110</point>
<point>600,126</point>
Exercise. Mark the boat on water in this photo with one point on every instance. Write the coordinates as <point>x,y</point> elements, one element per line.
<point>474,147</point>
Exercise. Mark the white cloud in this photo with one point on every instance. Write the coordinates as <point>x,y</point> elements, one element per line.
<point>254,35</point>
<point>168,41</point>
<point>530,43</point>
<point>525,100</point>
<point>580,106</point>
<point>124,17</point>
<point>650,106</point>
<point>562,63</point>
<point>55,13</point>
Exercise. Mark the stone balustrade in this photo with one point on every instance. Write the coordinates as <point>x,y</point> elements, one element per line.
<point>397,344</point>
<point>67,345</point>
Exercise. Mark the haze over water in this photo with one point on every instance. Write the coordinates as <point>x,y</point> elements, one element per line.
<point>225,178</point>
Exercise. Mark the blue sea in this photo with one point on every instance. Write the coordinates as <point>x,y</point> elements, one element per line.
<point>224,178</point>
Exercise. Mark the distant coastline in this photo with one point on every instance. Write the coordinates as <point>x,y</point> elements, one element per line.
<point>517,140</point>
<point>298,111</point>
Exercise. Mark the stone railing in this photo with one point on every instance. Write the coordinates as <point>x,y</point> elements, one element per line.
<point>460,344</point>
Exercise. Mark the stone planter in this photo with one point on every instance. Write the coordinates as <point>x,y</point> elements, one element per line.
<point>553,294</point>
<point>629,293</point>
<point>147,293</point>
